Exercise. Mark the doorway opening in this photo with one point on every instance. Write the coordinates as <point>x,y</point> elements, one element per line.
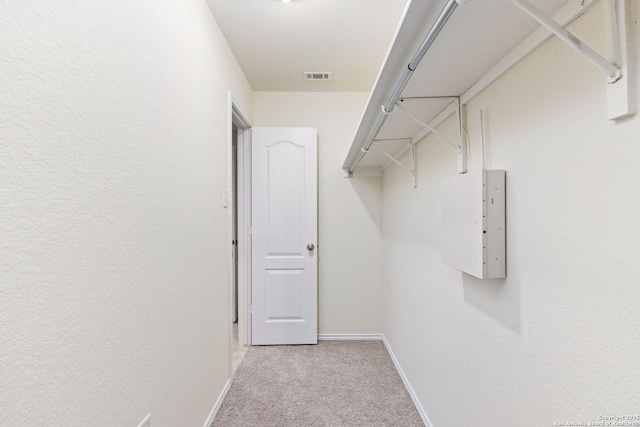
<point>238,202</point>
<point>238,349</point>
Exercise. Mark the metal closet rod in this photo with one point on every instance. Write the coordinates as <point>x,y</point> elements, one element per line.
<point>404,79</point>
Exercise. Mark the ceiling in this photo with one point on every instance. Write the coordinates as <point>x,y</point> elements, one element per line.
<point>276,42</point>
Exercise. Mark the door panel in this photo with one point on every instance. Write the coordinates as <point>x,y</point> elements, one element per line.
<point>283,293</point>
<point>284,222</point>
<point>285,198</point>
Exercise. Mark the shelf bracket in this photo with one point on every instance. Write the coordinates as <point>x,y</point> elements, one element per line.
<point>460,147</point>
<point>622,36</point>
<point>414,162</point>
<point>620,27</point>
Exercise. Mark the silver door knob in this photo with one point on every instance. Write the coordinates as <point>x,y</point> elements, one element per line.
<point>310,247</point>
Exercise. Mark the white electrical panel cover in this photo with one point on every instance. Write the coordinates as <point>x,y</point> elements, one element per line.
<point>473,238</point>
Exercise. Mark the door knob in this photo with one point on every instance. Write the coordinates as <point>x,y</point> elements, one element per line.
<point>310,247</point>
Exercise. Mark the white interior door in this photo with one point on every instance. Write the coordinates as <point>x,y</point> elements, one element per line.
<point>284,236</point>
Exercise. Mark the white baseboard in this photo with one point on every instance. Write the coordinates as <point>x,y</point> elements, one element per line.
<point>407,385</point>
<point>216,407</point>
<point>350,337</point>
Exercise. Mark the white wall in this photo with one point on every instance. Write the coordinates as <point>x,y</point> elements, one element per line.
<point>558,339</point>
<point>349,210</point>
<point>114,293</point>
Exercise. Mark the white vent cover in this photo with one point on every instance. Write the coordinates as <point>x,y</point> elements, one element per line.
<point>318,75</point>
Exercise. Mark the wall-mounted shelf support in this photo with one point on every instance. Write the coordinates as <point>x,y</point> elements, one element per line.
<point>620,77</point>
<point>427,126</point>
<point>621,25</point>
<point>611,70</point>
<point>460,147</point>
<point>414,161</point>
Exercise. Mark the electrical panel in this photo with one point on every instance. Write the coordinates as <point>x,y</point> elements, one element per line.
<point>474,211</point>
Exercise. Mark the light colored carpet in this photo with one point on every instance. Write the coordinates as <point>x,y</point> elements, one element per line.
<point>334,383</point>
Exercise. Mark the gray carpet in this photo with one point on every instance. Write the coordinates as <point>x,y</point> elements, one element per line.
<point>334,383</point>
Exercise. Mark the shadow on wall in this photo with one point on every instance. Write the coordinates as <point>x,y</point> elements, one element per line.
<point>369,190</point>
<point>498,298</point>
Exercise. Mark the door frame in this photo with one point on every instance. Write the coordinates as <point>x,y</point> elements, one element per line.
<point>243,198</point>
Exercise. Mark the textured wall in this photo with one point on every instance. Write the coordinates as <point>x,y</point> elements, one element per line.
<point>558,339</point>
<point>349,210</point>
<point>114,294</point>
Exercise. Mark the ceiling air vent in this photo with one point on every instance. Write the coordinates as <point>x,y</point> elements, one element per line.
<point>318,75</point>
